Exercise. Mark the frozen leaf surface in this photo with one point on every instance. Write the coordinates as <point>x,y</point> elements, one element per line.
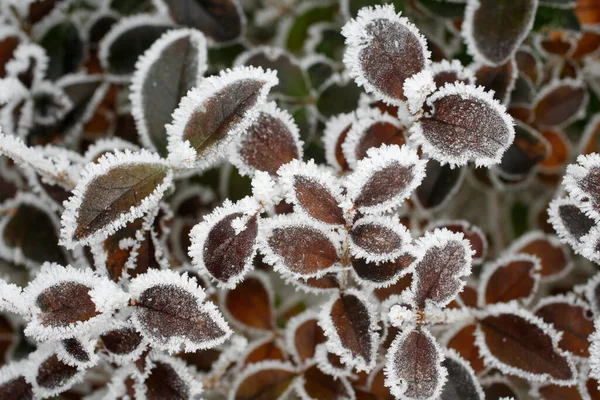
<point>465,124</point>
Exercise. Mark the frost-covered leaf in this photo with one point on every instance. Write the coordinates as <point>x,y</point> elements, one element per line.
<point>122,342</point>
<point>299,246</point>
<point>51,375</point>
<point>224,244</point>
<point>11,298</point>
<point>494,29</point>
<point>168,378</point>
<point>443,258</point>
<point>293,80</point>
<point>465,124</point>
<point>314,191</point>
<point>513,277</point>
<point>263,350</point>
<point>528,149</point>
<point>370,130</point>
<point>266,380</point>
<point>461,384</point>
<point>29,233</point>
<point>476,237</point>
<point>378,239</point>
<point>221,20</point>
<point>317,385</point>
<point>78,352</point>
<point>451,72</point>
<point>172,66</point>
<point>554,257</point>
<point>571,317</point>
<point>499,387</point>
<point>381,274</point>
<point>336,131</point>
<point>560,102</point>
<point>250,304</point>
<point>463,342</point>
<point>413,366</point>
<point>13,382</point>
<point>379,34</point>
<point>518,343</point>
<point>116,190</point>
<point>170,313</point>
<point>127,40</point>
<point>272,140</point>
<point>214,112</point>
<point>303,334</point>
<point>440,184</point>
<point>52,163</point>
<point>581,181</point>
<point>383,179</point>
<point>350,325</point>
<point>65,302</point>
<point>64,45</point>
<point>499,79</point>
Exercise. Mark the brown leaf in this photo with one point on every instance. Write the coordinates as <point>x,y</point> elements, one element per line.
<point>320,386</point>
<point>266,383</point>
<point>226,254</point>
<point>465,125</point>
<point>439,185</point>
<point>390,51</point>
<point>121,341</point>
<point>17,388</point>
<point>573,319</point>
<point>350,325</point>
<point>527,150</point>
<point>268,144</point>
<point>495,29</point>
<point>383,273</point>
<point>553,255</point>
<point>522,343</point>
<point>444,259</point>
<point>500,79</point>
<point>53,373</point>
<point>163,382</point>
<point>66,303</point>
<point>268,350</point>
<point>472,233</point>
<point>513,278</point>
<point>317,200</point>
<point>250,303</point>
<point>375,238</point>
<point>413,365</point>
<point>559,103</point>
<point>221,113</point>
<point>75,349</point>
<point>168,314</point>
<point>303,250</point>
<point>463,342</point>
<point>307,335</point>
<point>111,194</point>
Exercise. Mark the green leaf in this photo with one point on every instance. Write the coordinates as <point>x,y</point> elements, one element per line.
<point>65,49</point>
<point>299,30</point>
<point>556,18</point>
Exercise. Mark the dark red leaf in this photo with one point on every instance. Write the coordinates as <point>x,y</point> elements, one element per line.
<point>66,303</point>
<point>250,303</point>
<point>514,278</point>
<point>520,342</point>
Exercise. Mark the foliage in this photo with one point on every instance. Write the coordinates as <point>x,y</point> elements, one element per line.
<point>262,199</point>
